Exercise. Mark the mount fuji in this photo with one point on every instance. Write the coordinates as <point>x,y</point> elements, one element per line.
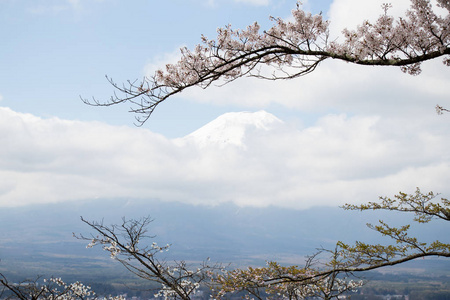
<point>232,128</point>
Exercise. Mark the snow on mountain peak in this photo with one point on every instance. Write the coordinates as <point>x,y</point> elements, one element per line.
<point>230,128</point>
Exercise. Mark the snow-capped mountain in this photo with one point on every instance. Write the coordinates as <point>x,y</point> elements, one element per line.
<point>231,128</point>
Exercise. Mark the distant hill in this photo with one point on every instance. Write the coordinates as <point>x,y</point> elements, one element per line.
<point>38,239</point>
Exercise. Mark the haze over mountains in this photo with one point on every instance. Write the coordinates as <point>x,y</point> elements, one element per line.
<point>38,239</point>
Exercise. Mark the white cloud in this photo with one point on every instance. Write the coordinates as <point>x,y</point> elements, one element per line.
<point>339,159</point>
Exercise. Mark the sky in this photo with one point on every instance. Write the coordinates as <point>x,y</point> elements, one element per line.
<point>348,134</point>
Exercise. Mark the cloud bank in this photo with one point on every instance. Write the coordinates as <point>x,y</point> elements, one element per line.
<point>339,159</point>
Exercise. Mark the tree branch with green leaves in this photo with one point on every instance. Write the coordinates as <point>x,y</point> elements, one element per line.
<point>329,273</point>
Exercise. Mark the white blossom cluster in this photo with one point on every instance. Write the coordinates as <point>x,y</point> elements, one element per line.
<point>109,245</point>
<point>57,289</point>
<point>74,290</point>
<point>115,249</point>
<point>187,286</point>
<point>158,248</point>
<point>422,32</point>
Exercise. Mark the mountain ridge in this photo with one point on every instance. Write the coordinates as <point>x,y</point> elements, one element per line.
<point>225,232</point>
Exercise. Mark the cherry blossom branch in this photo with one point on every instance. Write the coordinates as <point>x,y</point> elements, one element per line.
<point>126,243</point>
<point>292,49</point>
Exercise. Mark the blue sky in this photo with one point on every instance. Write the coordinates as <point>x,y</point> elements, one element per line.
<point>357,132</point>
<point>58,50</point>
